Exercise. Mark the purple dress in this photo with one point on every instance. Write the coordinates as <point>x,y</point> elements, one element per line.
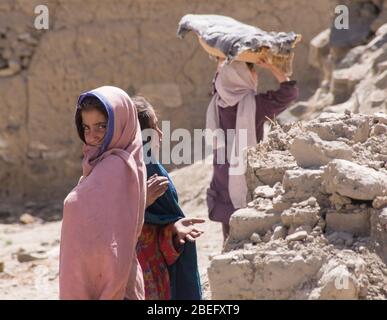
<point>269,105</point>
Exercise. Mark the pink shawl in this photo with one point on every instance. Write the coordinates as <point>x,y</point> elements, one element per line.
<point>103,215</point>
<point>235,85</point>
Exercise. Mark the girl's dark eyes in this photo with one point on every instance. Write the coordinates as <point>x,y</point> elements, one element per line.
<point>101,126</point>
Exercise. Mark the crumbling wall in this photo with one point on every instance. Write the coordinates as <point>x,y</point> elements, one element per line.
<point>128,43</point>
<point>317,229</point>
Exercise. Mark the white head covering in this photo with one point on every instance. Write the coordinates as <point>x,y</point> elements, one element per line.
<point>235,85</point>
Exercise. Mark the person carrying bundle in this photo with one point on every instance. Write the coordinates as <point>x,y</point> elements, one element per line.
<point>235,104</point>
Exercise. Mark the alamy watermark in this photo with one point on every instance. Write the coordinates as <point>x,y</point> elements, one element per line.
<point>42,19</point>
<point>227,146</point>
<point>342,20</point>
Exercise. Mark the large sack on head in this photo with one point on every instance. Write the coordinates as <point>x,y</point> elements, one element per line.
<point>228,38</point>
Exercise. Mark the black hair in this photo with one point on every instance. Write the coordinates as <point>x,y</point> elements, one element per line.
<point>145,111</point>
<point>87,104</point>
<point>250,65</point>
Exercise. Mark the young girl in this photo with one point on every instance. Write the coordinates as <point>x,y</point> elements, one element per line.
<point>236,105</point>
<point>168,261</point>
<point>103,214</point>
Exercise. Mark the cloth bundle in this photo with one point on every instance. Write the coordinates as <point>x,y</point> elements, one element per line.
<point>228,38</point>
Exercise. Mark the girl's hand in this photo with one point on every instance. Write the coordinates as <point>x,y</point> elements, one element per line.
<point>156,187</point>
<point>184,229</point>
<point>263,62</point>
<point>277,73</point>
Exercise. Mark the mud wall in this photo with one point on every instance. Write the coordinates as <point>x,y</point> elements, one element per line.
<point>130,44</point>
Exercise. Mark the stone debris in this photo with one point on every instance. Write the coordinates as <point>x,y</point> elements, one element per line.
<point>380,202</point>
<point>380,117</point>
<point>255,238</point>
<point>318,230</point>
<point>26,218</point>
<point>342,280</point>
<point>247,221</point>
<point>357,223</point>
<point>264,192</point>
<point>310,150</point>
<point>354,181</point>
<point>301,214</point>
<point>383,218</point>
<point>279,232</point>
<point>297,236</point>
<point>23,256</point>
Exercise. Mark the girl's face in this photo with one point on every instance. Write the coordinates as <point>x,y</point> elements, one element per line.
<point>94,125</point>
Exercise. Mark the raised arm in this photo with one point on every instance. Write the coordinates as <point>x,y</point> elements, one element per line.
<point>272,102</point>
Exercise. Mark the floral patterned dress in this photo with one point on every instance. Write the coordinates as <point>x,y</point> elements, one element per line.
<point>155,252</point>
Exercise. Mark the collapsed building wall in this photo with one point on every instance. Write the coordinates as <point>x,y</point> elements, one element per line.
<point>316,227</point>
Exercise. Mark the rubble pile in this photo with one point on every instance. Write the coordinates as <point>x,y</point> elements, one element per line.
<point>316,225</point>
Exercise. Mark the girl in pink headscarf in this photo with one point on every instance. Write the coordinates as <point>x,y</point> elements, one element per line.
<point>236,105</point>
<point>103,215</point>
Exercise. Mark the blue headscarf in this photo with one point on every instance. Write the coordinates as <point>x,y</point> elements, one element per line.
<point>183,274</point>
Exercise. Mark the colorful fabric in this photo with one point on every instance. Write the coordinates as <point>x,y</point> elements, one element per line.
<point>156,251</point>
<point>183,272</point>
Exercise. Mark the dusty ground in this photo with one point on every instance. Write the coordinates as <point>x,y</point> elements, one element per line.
<point>30,252</point>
